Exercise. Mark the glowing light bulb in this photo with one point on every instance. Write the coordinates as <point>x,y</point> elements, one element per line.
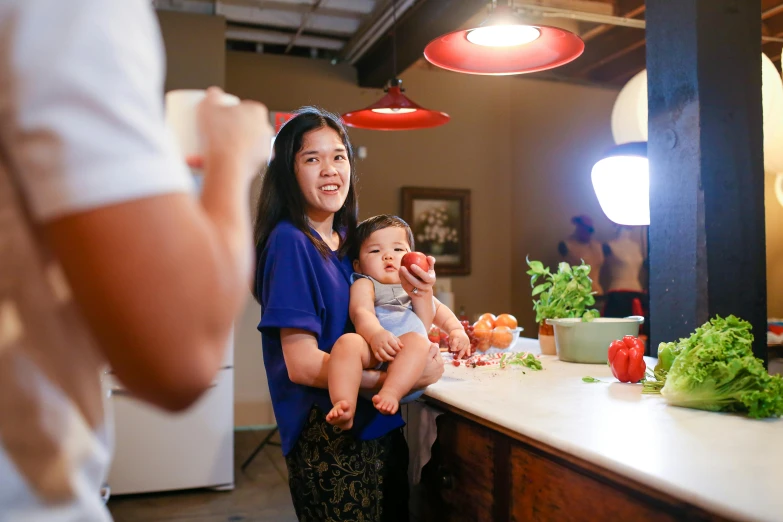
<point>622,186</point>
<point>395,110</point>
<point>503,35</point>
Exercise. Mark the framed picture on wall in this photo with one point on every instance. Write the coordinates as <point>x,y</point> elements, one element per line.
<point>440,220</point>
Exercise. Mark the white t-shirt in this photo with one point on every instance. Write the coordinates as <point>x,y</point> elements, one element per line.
<point>81,123</point>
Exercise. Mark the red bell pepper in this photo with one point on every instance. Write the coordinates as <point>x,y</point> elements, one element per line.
<point>626,358</point>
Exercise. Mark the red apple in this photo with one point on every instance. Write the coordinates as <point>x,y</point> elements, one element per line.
<point>415,258</point>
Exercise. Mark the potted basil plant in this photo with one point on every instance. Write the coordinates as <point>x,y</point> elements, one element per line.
<point>567,293</point>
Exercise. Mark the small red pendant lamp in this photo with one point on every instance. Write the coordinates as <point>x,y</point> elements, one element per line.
<point>504,45</point>
<point>395,111</point>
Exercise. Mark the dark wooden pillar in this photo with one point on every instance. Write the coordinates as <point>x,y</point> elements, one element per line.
<point>707,242</point>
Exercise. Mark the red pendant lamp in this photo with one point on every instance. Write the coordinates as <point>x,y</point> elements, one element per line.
<point>504,45</point>
<point>395,111</point>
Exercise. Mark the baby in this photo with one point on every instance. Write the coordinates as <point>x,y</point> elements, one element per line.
<point>391,324</point>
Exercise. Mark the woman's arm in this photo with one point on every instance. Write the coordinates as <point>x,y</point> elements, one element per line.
<point>307,365</point>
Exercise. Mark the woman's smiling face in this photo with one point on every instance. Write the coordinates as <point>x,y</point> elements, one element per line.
<point>323,172</point>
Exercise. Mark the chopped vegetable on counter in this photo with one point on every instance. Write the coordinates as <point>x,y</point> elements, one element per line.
<point>716,371</point>
<point>525,359</point>
<point>626,358</point>
<point>503,360</point>
<point>590,379</point>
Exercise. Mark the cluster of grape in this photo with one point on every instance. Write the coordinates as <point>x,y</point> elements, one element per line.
<point>469,330</point>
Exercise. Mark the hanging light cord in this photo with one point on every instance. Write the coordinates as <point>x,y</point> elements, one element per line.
<point>394,39</point>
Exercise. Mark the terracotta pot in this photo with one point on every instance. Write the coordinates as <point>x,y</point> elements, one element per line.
<point>546,338</point>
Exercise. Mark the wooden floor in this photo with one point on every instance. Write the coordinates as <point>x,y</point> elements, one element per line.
<point>260,494</point>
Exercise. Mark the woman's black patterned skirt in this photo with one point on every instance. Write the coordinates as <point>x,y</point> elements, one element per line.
<point>335,477</point>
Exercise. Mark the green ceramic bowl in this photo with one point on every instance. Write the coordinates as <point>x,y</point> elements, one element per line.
<point>588,342</point>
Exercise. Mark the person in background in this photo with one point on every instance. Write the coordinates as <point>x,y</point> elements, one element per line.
<point>580,246</point>
<point>392,323</point>
<point>305,223</point>
<point>106,256</point>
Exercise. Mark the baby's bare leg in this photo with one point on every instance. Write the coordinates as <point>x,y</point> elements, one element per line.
<point>403,372</point>
<point>350,355</point>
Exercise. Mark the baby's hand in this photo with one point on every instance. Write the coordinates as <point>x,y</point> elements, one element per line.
<point>385,345</point>
<point>459,342</point>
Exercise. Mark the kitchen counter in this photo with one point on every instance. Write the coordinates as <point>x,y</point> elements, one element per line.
<point>726,465</point>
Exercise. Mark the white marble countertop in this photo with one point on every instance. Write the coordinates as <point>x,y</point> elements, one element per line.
<point>729,465</point>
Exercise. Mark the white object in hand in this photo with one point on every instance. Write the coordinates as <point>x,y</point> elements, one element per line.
<point>182,118</point>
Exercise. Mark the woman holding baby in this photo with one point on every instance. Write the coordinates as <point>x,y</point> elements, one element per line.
<point>352,466</point>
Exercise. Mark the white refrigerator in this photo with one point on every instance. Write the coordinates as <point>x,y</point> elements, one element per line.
<point>160,451</point>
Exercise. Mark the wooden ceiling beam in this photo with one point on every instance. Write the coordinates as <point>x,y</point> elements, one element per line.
<point>600,48</point>
<point>773,26</point>
<point>770,8</point>
<point>424,21</point>
<point>584,73</point>
<point>622,78</point>
<point>621,69</point>
<point>623,8</point>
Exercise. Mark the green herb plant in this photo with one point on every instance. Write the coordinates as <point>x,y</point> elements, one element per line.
<point>590,379</point>
<point>567,293</point>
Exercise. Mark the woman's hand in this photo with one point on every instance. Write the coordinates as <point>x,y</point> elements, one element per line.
<point>416,282</point>
<point>433,370</point>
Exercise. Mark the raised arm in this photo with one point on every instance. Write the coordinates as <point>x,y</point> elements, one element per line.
<point>158,274</point>
<point>161,279</point>
<point>424,307</point>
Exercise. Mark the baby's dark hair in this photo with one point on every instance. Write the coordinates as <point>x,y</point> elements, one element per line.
<point>374,224</point>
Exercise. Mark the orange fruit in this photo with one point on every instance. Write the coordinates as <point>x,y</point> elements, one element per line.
<point>506,320</point>
<point>502,337</point>
<point>483,345</point>
<point>490,318</point>
<point>482,331</point>
<point>482,325</point>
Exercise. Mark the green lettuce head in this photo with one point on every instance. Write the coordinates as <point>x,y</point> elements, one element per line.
<point>716,371</point>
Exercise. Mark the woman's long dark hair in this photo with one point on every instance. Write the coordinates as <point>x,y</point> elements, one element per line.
<point>281,198</point>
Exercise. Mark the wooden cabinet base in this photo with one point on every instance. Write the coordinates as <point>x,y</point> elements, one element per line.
<point>482,472</point>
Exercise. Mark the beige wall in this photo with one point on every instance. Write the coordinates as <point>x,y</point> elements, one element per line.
<point>472,151</point>
<point>560,130</point>
<point>524,147</point>
<point>774,216</point>
<point>195,50</point>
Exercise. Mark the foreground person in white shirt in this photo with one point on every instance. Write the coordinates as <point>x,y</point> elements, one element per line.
<point>91,187</point>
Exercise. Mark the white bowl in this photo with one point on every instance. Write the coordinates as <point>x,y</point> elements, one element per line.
<point>495,349</point>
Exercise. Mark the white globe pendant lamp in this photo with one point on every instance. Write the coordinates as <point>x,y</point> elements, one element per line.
<point>629,114</point>
<point>626,178</point>
<point>779,188</point>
